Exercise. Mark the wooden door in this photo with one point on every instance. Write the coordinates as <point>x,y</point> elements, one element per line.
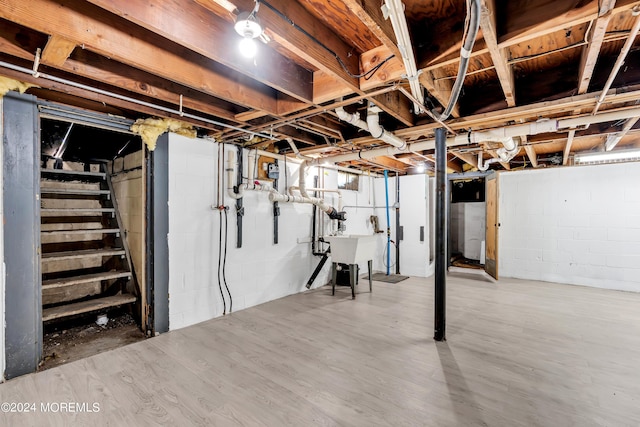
<point>492,225</point>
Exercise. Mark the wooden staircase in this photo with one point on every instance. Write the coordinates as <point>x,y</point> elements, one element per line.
<point>86,265</point>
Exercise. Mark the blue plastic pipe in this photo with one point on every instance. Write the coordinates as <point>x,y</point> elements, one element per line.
<point>386,196</point>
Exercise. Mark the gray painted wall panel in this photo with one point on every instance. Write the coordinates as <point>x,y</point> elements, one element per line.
<point>160,250</point>
<point>21,189</point>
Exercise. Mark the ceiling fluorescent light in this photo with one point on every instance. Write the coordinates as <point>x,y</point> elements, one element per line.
<point>607,157</point>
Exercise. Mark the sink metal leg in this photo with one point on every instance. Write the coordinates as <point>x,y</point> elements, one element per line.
<point>370,267</point>
<point>334,277</point>
<point>353,277</point>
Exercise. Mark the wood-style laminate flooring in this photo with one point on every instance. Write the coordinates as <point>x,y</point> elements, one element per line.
<point>518,353</point>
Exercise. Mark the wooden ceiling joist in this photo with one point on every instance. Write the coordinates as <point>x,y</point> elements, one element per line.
<point>499,56</point>
<point>127,78</point>
<point>57,51</point>
<point>104,33</point>
<point>199,30</point>
<point>591,51</point>
<point>567,147</point>
<point>530,150</point>
<point>289,37</point>
<point>370,13</point>
<point>468,158</point>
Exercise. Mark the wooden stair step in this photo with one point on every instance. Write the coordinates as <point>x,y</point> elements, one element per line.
<point>66,211</point>
<point>85,253</point>
<point>73,191</point>
<point>72,174</point>
<point>81,231</point>
<point>85,278</point>
<point>86,306</point>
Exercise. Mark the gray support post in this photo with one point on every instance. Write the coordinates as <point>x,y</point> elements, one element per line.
<point>399,235</point>
<point>441,235</point>
<point>157,234</point>
<point>21,191</point>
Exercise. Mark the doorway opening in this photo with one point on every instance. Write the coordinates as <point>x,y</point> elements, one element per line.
<point>467,223</point>
<point>92,195</point>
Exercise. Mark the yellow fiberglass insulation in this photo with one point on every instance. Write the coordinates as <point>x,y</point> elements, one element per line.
<point>150,129</point>
<point>7,84</point>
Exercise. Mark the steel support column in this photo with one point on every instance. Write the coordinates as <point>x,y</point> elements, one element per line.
<point>441,235</point>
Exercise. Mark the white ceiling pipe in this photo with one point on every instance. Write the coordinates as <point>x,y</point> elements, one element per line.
<point>320,163</point>
<point>354,119</point>
<point>612,116</point>
<point>378,132</point>
<point>482,165</point>
<point>534,128</point>
<point>395,10</point>
<point>372,125</point>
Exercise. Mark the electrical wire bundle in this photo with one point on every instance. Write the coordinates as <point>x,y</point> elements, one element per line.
<point>222,255</point>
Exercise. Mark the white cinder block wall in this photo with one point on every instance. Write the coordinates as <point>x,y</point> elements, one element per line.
<point>259,271</point>
<point>577,225</point>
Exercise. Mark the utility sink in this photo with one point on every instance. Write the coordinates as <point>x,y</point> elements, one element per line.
<point>352,249</point>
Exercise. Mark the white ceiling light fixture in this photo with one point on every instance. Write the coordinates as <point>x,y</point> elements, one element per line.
<point>248,26</point>
<point>607,157</point>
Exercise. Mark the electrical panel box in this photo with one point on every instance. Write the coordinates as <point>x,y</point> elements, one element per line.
<point>273,171</point>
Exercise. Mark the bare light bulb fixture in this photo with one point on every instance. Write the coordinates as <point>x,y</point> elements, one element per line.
<point>250,29</point>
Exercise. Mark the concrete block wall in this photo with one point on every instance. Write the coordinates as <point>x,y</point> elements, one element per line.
<point>259,271</point>
<point>128,184</point>
<point>577,225</point>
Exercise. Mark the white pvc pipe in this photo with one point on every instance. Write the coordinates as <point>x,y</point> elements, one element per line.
<point>320,190</point>
<point>378,132</point>
<point>535,128</point>
<point>251,185</point>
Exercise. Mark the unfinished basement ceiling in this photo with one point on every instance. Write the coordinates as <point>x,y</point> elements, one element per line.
<point>531,60</point>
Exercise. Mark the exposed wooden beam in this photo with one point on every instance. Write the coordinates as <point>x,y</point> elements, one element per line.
<point>223,8</point>
<point>468,158</point>
<point>498,56</point>
<point>591,51</point>
<point>105,34</point>
<point>439,88</point>
<point>370,13</point>
<point>396,105</point>
<point>544,17</point>
<point>94,67</point>
<point>99,98</point>
<point>286,35</point>
<point>531,152</point>
<point>391,163</point>
<point>57,51</point>
<point>197,29</point>
<point>614,138</point>
<point>567,148</point>
<point>391,70</point>
<point>454,165</point>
